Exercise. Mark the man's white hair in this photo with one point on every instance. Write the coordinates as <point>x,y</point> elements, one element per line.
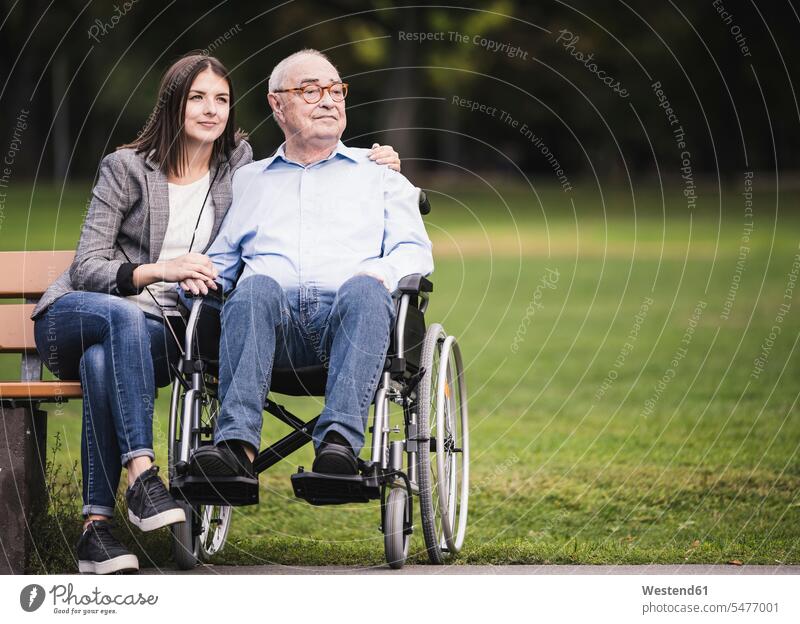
<point>278,75</point>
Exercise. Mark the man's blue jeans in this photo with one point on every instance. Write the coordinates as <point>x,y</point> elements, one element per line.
<point>120,356</point>
<point>264,326</point>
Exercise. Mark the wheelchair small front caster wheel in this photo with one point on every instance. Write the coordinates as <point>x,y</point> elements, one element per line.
<point>395,540</point>
<point>185,542</point>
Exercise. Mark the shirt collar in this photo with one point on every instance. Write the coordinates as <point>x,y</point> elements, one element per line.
<point>341,150</point>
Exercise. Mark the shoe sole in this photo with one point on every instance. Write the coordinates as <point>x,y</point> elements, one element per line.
<point>123,563</point>
<point>211,466</point>
<point>165,518</point>
<point>336,460</point>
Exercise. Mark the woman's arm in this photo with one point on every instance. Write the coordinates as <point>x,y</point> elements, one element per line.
<point>190,266</point>
<point>96,266</point>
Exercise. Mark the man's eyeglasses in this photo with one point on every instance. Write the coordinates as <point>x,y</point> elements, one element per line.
<point>314,93</point>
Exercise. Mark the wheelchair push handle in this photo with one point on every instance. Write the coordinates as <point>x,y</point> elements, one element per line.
<point>214,295</point>
<point>424,203</point>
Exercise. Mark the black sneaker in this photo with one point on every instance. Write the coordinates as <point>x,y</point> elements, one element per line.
<point>150,506</point>
<point>99,552</point>
<point>226,459</point>
<point>335,456</point>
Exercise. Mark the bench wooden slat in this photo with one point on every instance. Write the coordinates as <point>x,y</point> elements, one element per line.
<point>16,328</point>
<point>29,273</point>
<point>26,275</point>
<point>40,390</point>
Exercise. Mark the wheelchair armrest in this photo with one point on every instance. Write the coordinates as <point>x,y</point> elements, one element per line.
<point>414,284</point>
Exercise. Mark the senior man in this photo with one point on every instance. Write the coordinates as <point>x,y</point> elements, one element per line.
<point>321,235</point>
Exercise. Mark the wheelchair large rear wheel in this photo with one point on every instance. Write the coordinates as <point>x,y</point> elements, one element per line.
<point>442,460</point>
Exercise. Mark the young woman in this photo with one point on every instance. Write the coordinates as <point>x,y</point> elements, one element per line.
<point>157,205</point>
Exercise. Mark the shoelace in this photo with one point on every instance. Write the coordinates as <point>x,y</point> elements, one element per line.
<point>155,491</point>
<point>102,531</point>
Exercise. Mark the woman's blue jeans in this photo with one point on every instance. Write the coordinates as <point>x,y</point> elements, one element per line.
<point>120,356</point>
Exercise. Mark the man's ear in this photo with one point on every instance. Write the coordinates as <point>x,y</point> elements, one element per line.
<point>276,106</point>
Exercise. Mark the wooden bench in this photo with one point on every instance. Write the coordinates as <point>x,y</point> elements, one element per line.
<point>25,275</point>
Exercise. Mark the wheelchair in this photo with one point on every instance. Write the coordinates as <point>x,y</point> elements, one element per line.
<point>419,413</point>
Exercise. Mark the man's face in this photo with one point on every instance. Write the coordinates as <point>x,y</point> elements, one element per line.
<point>320,123</point>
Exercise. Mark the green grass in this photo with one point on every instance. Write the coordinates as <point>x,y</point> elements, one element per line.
<point>561,471</point>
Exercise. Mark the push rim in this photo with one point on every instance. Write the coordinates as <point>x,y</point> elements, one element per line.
<point>452,445</point>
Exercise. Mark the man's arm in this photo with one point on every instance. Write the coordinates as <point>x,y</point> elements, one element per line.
<point>406,246</point>
<point>225,254</point>
<point>226,251</point>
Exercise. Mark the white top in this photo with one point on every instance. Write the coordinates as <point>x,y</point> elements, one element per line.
<point>185,202</point>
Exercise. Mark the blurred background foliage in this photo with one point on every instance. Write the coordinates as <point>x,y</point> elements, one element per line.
<point>87,95</point>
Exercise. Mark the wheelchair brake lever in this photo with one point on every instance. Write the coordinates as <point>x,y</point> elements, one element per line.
<point>413,382</point>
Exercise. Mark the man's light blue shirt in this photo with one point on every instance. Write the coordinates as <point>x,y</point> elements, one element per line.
<point>320,224</point>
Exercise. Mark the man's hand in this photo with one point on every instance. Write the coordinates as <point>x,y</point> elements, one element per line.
<point>195,272</point>
<point>375,276</point>
<point>385,155</point>
<point>197,286</point>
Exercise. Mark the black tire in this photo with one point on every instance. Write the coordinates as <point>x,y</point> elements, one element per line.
<point>430,514</point>
<point>394,541</point>
<point>185,544</point>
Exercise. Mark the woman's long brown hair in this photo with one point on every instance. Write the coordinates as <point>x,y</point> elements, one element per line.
<point>163,135</point>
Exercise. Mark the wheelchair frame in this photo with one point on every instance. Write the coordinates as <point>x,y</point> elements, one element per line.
<point>404,379</point>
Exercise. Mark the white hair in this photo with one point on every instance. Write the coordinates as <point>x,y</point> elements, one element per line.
<point>278,75</point>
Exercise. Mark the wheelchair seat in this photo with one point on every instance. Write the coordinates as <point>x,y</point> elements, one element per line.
<point>301,381</point>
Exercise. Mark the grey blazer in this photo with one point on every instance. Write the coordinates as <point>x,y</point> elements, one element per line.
<point>129,211</point>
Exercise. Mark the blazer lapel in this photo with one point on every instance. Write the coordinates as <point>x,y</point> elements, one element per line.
<point>158,196</point>
<point>221,194</point>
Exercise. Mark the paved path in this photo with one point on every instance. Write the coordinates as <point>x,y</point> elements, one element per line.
<point>488,569</point>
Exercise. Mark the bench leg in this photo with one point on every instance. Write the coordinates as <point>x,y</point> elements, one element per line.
<point>22,482</point>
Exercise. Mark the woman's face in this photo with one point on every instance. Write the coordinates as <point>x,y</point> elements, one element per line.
<point>207,107</point>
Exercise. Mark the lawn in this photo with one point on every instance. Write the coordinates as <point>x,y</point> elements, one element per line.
<point>617,411</point>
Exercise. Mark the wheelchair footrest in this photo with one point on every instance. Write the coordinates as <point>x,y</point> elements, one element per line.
<point>233,491</point>
<point>331,489</point>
